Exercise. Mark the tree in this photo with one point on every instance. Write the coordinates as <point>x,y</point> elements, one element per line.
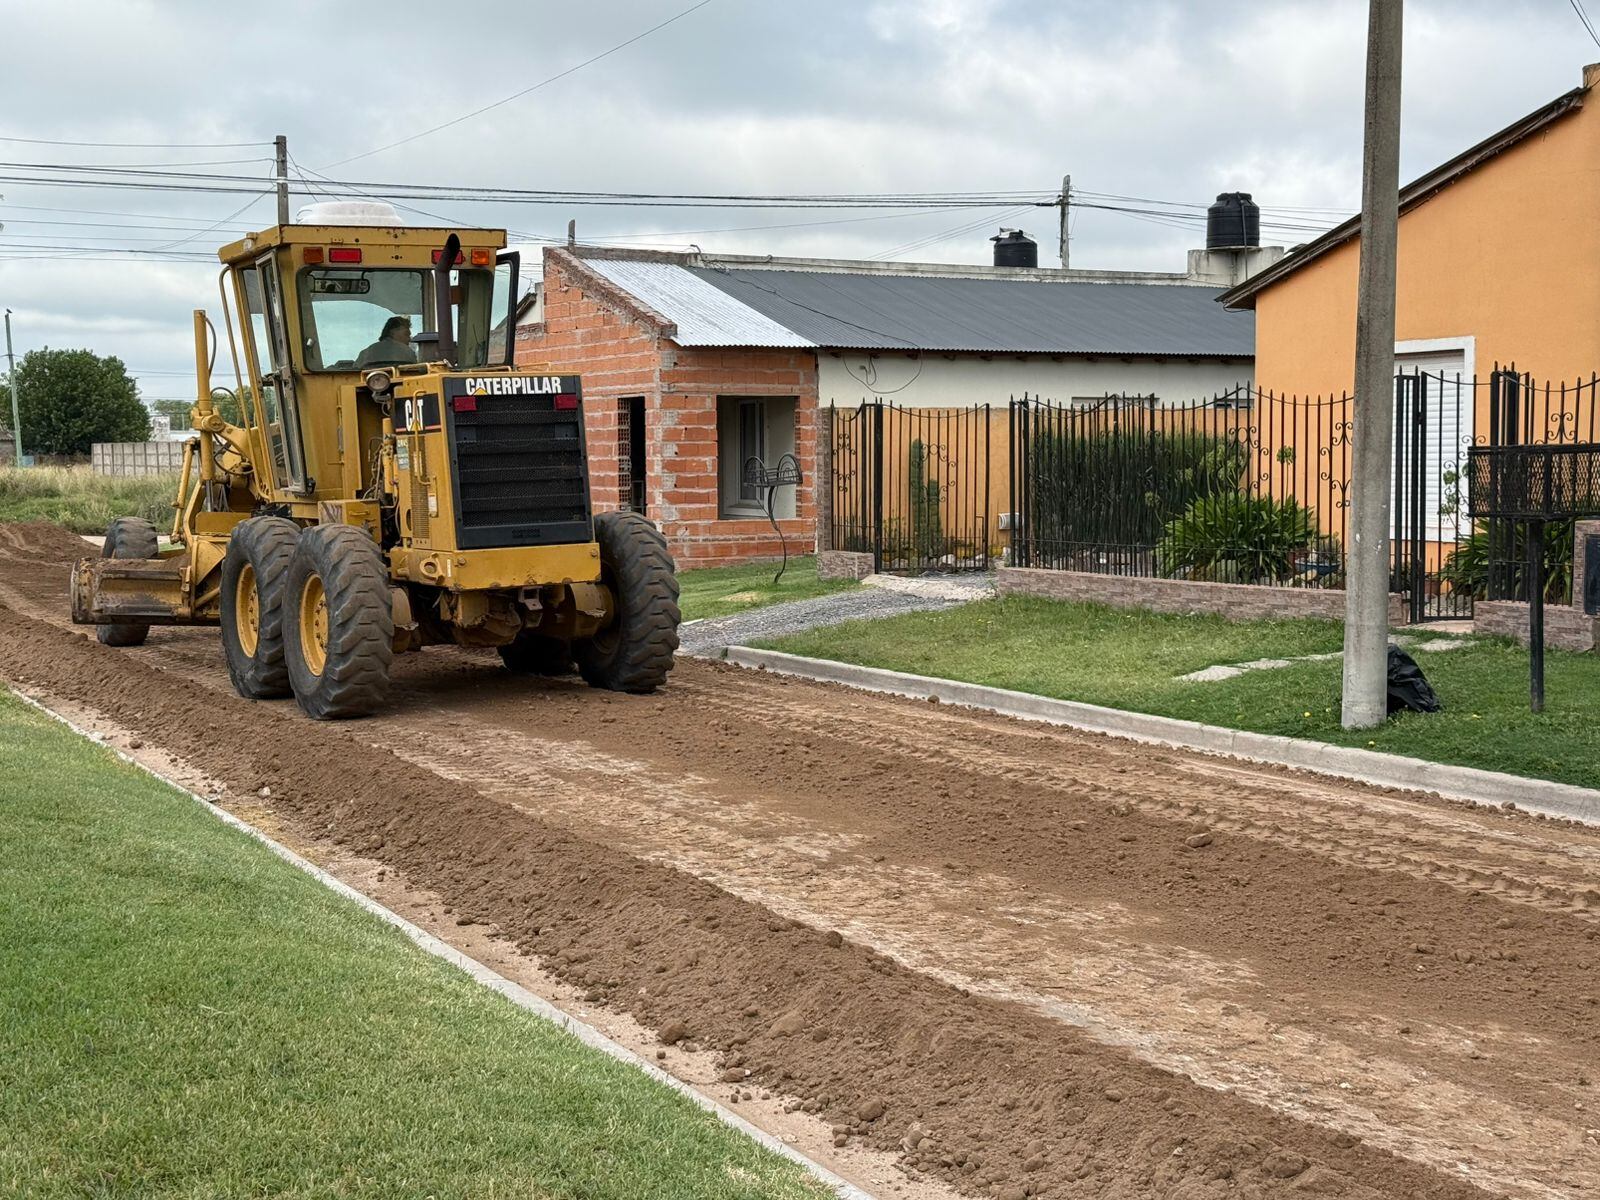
<point>70,399</point>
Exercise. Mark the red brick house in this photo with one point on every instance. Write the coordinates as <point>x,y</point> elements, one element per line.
<point>693,364</point>
<point>651,400</point>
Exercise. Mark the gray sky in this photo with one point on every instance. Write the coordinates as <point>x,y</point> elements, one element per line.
<point>1143,98</point>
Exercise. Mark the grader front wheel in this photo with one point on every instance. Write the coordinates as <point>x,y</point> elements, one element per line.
<point>338,623</point>
<point>254,573</point>
<point>633,653</point>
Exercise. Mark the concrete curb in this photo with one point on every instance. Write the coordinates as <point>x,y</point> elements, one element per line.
<point>1344,762</point>
<point>487,976</point>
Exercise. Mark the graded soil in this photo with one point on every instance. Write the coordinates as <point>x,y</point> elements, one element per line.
<point>1029,961</point>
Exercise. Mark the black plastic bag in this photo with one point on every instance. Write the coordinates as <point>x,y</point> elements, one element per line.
<point>1408,687</point>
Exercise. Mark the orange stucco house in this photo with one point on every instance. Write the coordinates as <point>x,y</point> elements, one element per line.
<point>1499,263</point>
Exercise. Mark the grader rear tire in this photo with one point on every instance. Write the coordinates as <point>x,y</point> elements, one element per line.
<point>254,573</point>
<point>127,537</point>
<point>633,653</point>
<point>338,628</point>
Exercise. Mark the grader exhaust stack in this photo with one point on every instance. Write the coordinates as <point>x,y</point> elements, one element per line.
<point>395,481</point>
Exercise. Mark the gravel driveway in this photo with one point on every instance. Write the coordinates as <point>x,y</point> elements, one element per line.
<point>880,596</point>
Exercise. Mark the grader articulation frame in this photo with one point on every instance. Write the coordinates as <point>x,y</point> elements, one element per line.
<point>385,496</point>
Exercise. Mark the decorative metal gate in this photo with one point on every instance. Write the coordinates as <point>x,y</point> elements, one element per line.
<point>912,486</point>
<point>1433,430</point>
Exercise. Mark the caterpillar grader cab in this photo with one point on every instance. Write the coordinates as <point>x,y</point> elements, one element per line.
<point>393,481</point>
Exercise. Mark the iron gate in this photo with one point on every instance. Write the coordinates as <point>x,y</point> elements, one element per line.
<point>911,486</point>
<point>1433,430</point>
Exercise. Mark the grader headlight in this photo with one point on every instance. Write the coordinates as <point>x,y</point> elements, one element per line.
<point>378,383</point>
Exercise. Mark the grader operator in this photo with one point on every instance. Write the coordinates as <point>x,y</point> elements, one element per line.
<point>396,482</point>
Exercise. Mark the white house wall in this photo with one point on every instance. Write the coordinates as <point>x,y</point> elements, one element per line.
<point>933,380</point>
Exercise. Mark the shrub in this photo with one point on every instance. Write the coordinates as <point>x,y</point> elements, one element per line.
<point>1466,570</point>
<point>1238,539</point>
<point>1122,489</point>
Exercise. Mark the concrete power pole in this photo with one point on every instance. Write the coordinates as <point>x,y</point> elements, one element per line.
<point>1366,628</point>
<point>280,145</point>
<point>1066,231</point>
<point>11,383</point>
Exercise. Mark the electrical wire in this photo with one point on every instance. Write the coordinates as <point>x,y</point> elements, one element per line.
<point>527,90</point>
<point>992,218</point>
<point>1577,7</point>
<point>138,145</point>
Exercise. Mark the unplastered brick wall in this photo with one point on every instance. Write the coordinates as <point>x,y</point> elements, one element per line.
<point>1565,627</point>
<point>688,487</point>
<point>622,348</point>
<point>615,349</point>
<point>1236,601</point>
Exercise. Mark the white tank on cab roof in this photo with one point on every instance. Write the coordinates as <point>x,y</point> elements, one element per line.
<point>348,212</point>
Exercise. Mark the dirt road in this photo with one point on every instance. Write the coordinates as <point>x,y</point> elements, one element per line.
<point>1031,961</point>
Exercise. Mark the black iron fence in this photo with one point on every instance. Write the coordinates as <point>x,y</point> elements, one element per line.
<point>1242,488</point>
<point>912,486</point>
<point>1245,486</point>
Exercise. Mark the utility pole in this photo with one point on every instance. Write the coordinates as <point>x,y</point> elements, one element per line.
<point>11,382</point>
<point>1366,622</point>
<point>280,147</point>
<point>1066,232</point>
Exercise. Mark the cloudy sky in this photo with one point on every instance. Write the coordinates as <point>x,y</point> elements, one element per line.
<point>1134,98</point>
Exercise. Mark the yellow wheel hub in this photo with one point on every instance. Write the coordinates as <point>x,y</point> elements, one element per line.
<point>247,611</point>
<point>314,625</point>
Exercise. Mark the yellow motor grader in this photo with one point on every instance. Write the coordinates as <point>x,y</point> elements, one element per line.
<point>395,482</point>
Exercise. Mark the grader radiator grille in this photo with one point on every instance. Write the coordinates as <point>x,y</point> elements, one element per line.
<point>520,470</point>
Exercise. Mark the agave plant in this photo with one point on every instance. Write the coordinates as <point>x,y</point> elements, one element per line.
<point>1238,539</point>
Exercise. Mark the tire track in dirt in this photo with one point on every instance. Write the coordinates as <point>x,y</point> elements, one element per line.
<point>1367,831</point>
<point>1179,1010</point>
<point>1017,863</point>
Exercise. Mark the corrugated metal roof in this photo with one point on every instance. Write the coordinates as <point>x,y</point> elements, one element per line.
<point>888,312</point>
<point>705,315</point>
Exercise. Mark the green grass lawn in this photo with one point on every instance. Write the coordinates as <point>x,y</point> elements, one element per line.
<point>1129,659</point>
<point>182,1014</point>
<point>718,591</point>
<point>80,500</point>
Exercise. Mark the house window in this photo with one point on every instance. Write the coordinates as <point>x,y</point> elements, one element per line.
<point>631,466</point>
<point>752,427</point>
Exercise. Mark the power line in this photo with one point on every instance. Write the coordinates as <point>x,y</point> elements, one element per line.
<point>1577,7</point>
<point>935,239</point>
<point>245,185</point>
<point>139,145</point>
<point>525,91</point>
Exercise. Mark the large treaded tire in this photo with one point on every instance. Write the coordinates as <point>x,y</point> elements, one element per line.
<point>633,653</point>
<point>261,546</point>
<point>128,537</point>
<point>345,566</point>
<point>537,654</point>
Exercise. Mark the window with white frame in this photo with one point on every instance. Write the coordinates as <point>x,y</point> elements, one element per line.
<point>752,427</point>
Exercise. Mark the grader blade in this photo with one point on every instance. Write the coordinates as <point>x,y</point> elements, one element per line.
<point>110,591</point>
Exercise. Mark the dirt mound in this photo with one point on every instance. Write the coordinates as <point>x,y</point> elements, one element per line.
<point>992,1096</point>
<point>41,542</point>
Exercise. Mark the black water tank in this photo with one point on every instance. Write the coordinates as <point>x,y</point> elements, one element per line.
<point>1013,248</point>
<point>1233,222</point>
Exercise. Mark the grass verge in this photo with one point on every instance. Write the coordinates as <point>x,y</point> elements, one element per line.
<point>182,1014</point>
<point>1131,659</point>
<point>719,591</point>
<point>80,500</point>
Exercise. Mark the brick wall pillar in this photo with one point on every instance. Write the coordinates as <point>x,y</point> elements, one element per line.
<point>822,480</point>
<point>1582,531</point>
